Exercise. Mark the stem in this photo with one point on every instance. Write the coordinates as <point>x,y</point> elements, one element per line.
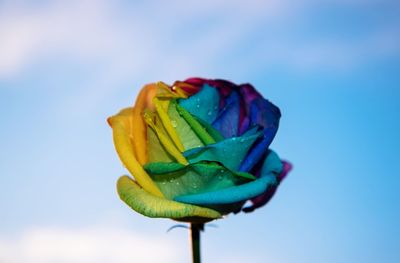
<point>195,235</point>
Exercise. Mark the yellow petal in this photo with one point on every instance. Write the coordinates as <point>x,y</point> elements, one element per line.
<point>162,113</point>
<point>164,138</point>
<point>139,133</point>
<point>121,125</point>
<point>153,206</point>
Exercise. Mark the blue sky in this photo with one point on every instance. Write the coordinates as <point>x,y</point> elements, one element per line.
<point>331,66</point>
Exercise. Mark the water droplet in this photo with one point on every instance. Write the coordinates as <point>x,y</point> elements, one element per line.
<point>198,105</point>
<point>215,107</point>
<point>209,113</point>
<point>177,183</point>
<point>220,177</point>
<point>195,186</point>
<point>221,171</point>
<point>242,140</point>
<point>163,182</point>
<point>174,123</point>
<point>171,180</point>
<point>234,139</point>
<point>173,88</point>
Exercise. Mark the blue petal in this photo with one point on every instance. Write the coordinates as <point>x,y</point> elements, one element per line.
<point>272,167</point>
<point>264,113</point>
<point>204,104</point>
<point>258,151</point>
<point>230,152</point>
<point>227,121</point>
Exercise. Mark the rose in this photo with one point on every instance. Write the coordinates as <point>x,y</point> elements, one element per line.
<point>197,150</point>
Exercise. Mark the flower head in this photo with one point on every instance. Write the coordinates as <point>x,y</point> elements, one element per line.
<point>197,150</point>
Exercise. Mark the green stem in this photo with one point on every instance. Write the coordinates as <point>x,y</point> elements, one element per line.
<point>195,230</point>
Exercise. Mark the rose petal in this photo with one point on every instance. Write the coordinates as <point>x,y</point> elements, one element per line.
<point>175,179</point>
<point>121,126</point>
<point>229,195</point>
<point>186,134</point>
<point>264,198</point>
<point>227,122</point>
<point>204,104</point>
<point>143,101</point>
<point>152,206</point>
<point>271,168</point>
<point>230,152</point>
<point>247,94</point>
<point>258,151</point>
<point>267,115</point>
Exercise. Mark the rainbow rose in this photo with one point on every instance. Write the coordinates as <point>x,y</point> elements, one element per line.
<point>197,150</point>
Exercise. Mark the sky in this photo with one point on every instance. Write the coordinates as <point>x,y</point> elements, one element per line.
<point>333,68</point>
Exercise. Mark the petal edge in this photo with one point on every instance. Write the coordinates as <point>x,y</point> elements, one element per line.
<point>152,206</point>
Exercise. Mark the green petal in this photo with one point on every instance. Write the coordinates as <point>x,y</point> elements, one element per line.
<point>153,206</point>
<point>155,150</point>
<point>216,135</point>
<point>188,137</point>
<point>200,131</point>
<point>175,179</point>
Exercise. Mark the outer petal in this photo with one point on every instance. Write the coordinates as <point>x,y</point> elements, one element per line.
<point>230,195</point>
<point>261,200</point>
<point>121,125</point>
<point>152,206</point>
<point>175,179</point>
<point>265,114</point>
<point>271,168</point>
<point>143,101</point>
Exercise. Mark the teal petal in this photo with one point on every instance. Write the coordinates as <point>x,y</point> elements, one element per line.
<point>204,104</point>
<point>271,168</point>
<point>230,195</point>
<point>175,179</point>
<point>230,152</point>
<point>272,164</point>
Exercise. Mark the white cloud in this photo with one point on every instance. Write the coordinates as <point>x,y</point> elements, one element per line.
<point>87,245</point>
<point>90,31</point>
<point>181,37</point>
